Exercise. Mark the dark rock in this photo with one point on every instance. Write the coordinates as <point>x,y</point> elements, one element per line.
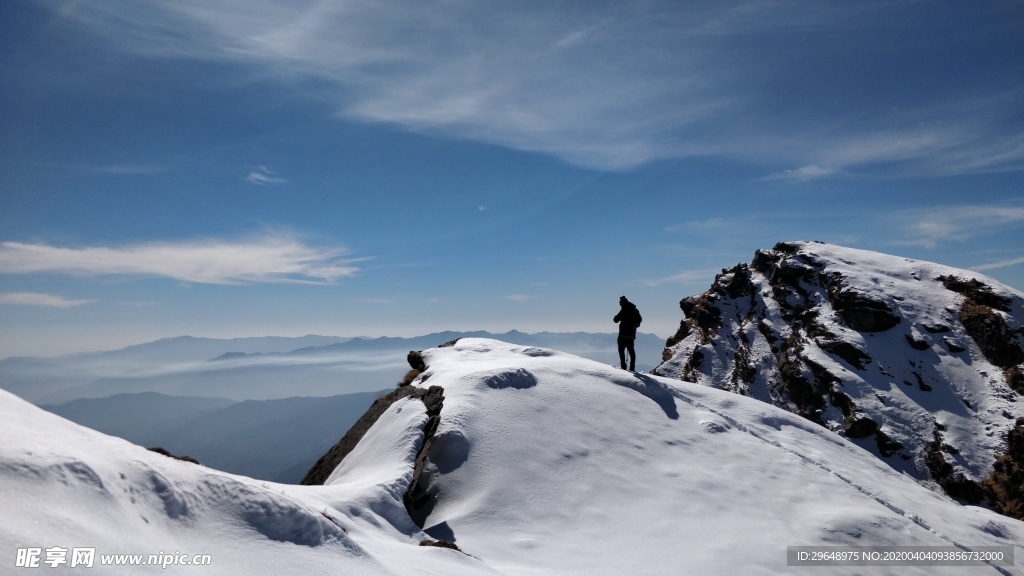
<point>791,271</point>
<point>1004,487</point>
<point>705,314</point>
<point>886,446</point>
<point>936,328</point>
<point>739,284</point>
<point>862,313</point>
<point>415,360</point>
<point>679,336</point>
<point>764,261</point>
<point>953,346</point>
<point>991,333</point>
<point>920,382</point>
<point>693,364</point>
<point>977,291</point>
<point>688,304</point>
<point>955,484</point>
<point>322,469</point>
<point>915,343</point>
<point>786,248</point>
<point>853,355</point>
<point>440,544</point>
<point>860,426</point>
<point>844,402</point>
<point>1015,378</point>
<point>807,398</point>
<point>164,452</point>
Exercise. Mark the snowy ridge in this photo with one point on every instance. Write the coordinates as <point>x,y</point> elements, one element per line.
<point>548,460</point>
<point>543,463</point>
<point>916,362</point>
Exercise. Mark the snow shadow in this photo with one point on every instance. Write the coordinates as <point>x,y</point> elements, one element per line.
<point>441,531</point>
<point>654,390</point>
<point>519,378</point>
<point>448,451</point>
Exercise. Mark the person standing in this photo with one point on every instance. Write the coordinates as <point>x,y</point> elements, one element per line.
<point>629,320</point>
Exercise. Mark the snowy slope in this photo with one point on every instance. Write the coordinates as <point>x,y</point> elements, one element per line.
<point>63,485</point>
<point>543,463</point>
<point>913,360</point>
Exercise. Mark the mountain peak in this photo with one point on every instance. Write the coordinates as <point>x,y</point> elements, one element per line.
<point>917,362</point>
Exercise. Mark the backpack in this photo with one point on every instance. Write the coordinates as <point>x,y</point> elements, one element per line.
<point>638,318</point>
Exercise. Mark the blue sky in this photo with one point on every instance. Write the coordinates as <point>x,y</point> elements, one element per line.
<point>400,167</point>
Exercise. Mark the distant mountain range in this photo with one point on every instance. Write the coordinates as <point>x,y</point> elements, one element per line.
<point>275,440</point>
<point>262,407</point>
<point>264,368</point>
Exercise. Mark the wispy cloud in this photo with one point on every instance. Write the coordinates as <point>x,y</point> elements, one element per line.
<point>932,226</point>
<point>262,175</point>
<point>801,174</point>
<point>37,299</point>
<point>684,277</point>
<point>274,258</point>
<point>715,225</point>
<point>556,79</point>
<point>519,297</point>
<point>999,264</point>
<point>126,169</point>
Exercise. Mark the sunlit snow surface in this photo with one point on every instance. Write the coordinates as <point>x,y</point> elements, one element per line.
<point>545,463</point>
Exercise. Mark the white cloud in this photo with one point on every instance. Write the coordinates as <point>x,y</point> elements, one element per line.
<point>609,87</point>
<point>37,299</point>
<point>999,264</point>
<point>263,175</point>
<point>684,277</point>
<point>931,226</point>
<point>802,174</point>
<point>519,297</point>
<point>270,259</point>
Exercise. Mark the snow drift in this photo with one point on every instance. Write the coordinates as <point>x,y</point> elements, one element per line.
<point>542,463</point>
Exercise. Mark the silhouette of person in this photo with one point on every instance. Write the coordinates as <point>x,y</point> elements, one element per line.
<point>629,320</point>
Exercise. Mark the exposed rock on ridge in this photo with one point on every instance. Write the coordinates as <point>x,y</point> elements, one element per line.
<point>418,498</point>
<point>917,362</point>
<point>433,399</point>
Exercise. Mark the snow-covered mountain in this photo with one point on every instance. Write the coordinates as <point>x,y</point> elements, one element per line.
<point>540,463</point>
<point>919,363</point>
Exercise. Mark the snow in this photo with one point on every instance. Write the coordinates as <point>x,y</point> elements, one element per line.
<point>544,463</point>
<point>963,391</point>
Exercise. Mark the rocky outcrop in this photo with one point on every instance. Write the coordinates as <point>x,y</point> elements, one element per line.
<point>887,351</point>
<point>165,452</point>
<point>418,498</point>
<point>1004,488</point>
<point>432,397</point>
<point>862,313</point>
<point>991,333</point>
